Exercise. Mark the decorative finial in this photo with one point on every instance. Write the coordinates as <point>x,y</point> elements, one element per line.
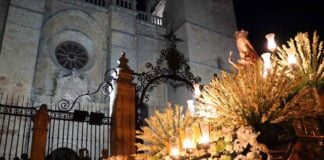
<point>123,62</point>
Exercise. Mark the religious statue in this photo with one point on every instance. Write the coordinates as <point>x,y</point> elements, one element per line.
<point>246,51</point>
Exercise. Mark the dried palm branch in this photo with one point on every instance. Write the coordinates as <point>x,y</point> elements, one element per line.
<point>161,126</point>
<point>309,55</point>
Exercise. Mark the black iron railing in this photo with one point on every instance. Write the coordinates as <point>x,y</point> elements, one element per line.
<point>86,129</point>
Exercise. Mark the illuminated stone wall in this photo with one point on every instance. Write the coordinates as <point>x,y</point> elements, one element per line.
<point>207,27</point>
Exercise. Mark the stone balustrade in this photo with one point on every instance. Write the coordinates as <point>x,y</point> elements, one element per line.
<point>156,20</point>
<point>129,4</point>
<point>103,3</point>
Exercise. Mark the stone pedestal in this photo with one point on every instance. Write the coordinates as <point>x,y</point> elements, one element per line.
<point>40,121</point>
<point>123,117</point>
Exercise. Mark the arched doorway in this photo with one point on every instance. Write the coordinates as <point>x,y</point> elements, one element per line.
<point>62,154</point>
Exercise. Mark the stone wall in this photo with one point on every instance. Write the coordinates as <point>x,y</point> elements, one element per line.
<point>35,28</point>
<point>4,7</point>
<point>142,43</point>
<point>149,45</point>
<point>71,22</point>
<point>123,36</point>
<point>20,45</point>
<point>207,28</point>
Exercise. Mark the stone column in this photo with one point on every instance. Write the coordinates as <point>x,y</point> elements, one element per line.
<point>40,121</point>
<point>134,5</point>
<point>123,117</point>
<point>114,2</point>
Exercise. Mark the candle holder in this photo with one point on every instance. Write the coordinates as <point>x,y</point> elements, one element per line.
<point>175,157</point>
<point>189,151</point>
<point>203,146</point>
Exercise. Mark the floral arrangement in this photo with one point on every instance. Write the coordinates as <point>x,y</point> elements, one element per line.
<point>257,93</point>
<point>288,91</point>
<point>227,142</point>
<point>236,143</point>
<point>309,54</point>
<point>161,126</point>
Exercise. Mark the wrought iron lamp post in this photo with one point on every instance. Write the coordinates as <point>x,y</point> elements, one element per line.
<point>171,68</point>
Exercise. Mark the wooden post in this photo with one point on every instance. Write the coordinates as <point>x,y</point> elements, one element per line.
<point>123,117</point>
<point>40,121</point>
<point>321,97</point>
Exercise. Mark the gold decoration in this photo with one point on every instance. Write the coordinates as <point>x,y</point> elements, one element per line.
<point>245,97</point>
<point>309,55</point>
<point>253,95</point>
<point>161,126</point>
<point>246,51</point>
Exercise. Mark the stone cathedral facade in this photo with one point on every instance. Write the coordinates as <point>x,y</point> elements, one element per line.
<point>59,49</point>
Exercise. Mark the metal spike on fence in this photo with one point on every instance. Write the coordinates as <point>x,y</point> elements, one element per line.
<point>1,96</point>
<point>6,103</point>
<point>12,99</point>
<point>23,100</point>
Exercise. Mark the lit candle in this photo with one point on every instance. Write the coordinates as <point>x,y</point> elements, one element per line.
<point>266,57</point>
<point>189,142</point>
<point>292,60</point>
<point>204,139</point>
<point>271,42</point>
<point>174,152</point>
<point>197,90</point>
<point>204,127</point>
<point>191,106</point>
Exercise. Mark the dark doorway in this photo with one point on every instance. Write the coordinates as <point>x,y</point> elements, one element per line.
<point>62,154</point>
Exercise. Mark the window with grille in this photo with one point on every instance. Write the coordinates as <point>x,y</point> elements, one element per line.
<point>71,55</point>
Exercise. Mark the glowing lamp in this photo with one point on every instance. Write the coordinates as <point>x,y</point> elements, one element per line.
<point>271,42</point>
<point>188,143</point>
<point>266,57</point>
<point>292,60</point>
<point>197,90</point>
<point>204,128</point>
<point>174,152</point>
<point>191,106</point>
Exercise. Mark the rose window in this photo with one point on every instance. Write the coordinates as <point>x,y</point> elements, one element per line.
<point>71,55</point>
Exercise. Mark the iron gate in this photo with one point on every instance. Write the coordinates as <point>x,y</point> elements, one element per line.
<point>15,127</point>
<point>84,130</point>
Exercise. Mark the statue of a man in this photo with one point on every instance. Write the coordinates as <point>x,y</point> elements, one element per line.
<point>246,51</point>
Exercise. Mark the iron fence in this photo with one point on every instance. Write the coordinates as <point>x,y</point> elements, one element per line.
<point>84,130</point>
<point>15,126</point>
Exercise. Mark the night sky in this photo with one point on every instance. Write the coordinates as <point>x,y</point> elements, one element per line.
<point>283,17</point>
